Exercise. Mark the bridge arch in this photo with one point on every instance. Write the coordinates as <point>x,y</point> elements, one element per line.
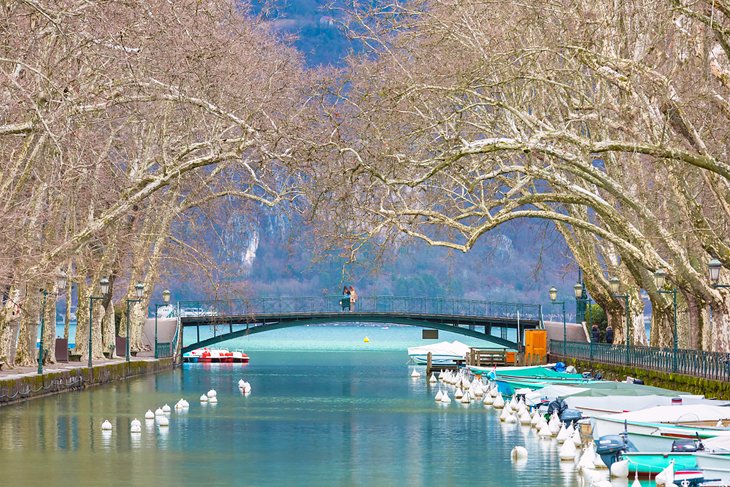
<point>347,318</point>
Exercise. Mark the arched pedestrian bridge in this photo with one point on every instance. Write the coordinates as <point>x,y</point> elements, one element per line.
<point>486,320</point>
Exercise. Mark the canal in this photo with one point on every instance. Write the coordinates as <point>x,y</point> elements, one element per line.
<point>334,411</point>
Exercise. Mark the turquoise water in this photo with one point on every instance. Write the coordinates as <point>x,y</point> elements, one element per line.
<point>314,418</point>
<point>329,337</point>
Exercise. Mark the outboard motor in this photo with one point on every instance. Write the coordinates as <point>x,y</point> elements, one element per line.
<point>688,446</point>
<point>558,406</point>
<point>611,447</point>
<point>567,415</point>
<point>570,415</point>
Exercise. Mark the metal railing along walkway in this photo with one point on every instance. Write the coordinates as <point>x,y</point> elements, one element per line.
<point>698,363</point>
<point>364,304</point>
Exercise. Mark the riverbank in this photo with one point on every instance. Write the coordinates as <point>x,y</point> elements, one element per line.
<point>23,383</point>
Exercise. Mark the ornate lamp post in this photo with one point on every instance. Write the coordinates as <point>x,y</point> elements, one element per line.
<point>553,297</point>
<point>139,291</point>
<point>60,286</point>
<point>660,277</point>
<point>714,267</point>
<point>615,285</point>
<point>166,300</point>
<point>104,284</point>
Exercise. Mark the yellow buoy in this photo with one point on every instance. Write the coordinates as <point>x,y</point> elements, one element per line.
<point>366,339</point>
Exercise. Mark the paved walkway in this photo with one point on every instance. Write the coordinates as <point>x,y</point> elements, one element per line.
<point>18,372</point>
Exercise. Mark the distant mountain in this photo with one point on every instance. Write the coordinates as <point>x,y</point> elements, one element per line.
<point>519,262</point>
<point>315,26</point>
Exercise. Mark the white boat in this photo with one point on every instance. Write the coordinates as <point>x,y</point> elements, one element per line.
<point>654,429</point>
<point>441,353</point>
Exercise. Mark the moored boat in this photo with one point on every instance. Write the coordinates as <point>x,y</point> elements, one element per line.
<point>442,353</point>
<point>205,355</point>
<point>654,429</point>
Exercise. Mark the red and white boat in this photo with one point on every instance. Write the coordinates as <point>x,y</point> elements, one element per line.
<point>215,355</point>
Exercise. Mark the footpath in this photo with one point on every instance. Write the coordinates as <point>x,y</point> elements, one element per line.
<point>22,383</point>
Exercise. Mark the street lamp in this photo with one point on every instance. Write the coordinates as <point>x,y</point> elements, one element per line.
<point>104,284</point>
<point>714,267</point>
<point>166,300</point>
<point>553,297</point>
<point>660,277</point>
<point>578,290</point>
<point>615,285</point>
<point>139,291</point>
<point>60,286</point>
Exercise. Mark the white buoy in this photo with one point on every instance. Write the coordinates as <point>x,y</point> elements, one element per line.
<point>212,393</point>
<point>619,469</point>
<point>577,440</point>
<point>568,451</point>
<point>503,415</point>
<point>511,418</point>
<point>525,417</point>
<point>149,414</point>
<point>163,421</point>
<point>458,393</point>
<point>166,408</point>
<point>136,421</point>
<point>439,395</point>
<point>666,476</point>
<point>598,462</point>
<point>465,399</point>
<point>213,400</point>
<point>106,425</point>
<point>488,400</point>
<point>587,460</point>
<point>445,398</point>
<point>433,378</point>
<point>535,418</point>
<point>159,412</point>
<point>185,403</point>
<point>555,427</point>
<point>415,374</point>
<point>518,452</point>
<point>498,402</point>
<point>246,389</point>
<point>203,398</point>
<point>135,426</point>
<point>544,432</point>
<point>563,434</point>
<point>241,382</point>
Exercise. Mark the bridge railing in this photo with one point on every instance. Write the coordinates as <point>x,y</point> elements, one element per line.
<point>382,304</point>
<point>699,363</point>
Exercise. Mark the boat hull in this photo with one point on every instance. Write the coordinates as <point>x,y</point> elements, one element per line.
<point>650,464</point>
<point>652,437</point>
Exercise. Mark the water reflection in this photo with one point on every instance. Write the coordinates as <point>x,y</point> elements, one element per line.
<point>306,424</point>
<point>106,439</point>
<point>135,440</point>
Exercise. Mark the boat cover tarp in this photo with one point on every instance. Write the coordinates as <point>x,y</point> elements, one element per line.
<point>454,349</point>
<point>718,443</point>
<point>675,414</point>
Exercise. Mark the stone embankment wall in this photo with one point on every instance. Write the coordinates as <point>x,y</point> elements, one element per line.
<point>711,389</point>
<point>18,389</point>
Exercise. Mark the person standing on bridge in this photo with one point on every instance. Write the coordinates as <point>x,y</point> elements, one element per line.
<point>353,298</point>
<point>346,300</point>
